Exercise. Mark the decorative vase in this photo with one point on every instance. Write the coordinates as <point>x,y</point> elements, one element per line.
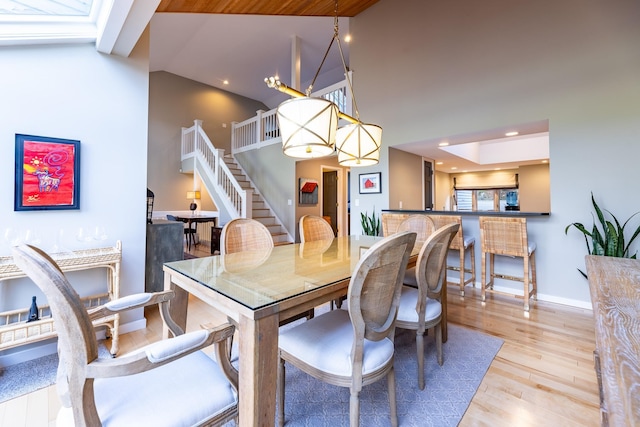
<point>33,311</point>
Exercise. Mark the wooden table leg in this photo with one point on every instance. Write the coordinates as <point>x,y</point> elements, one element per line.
<point>258,368</point>
<point>177,306</point>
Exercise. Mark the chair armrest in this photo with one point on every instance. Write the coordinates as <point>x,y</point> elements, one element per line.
<point>128,303</point>
<point>162,352</point>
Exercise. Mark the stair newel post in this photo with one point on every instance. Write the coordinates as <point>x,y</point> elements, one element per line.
<point>247,205</point>
<point>259,126</point>
<point>198,135</point>
<point>234,138</point>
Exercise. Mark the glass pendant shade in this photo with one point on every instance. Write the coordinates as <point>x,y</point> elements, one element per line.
<point>359,144</point>
<point>308,127</point>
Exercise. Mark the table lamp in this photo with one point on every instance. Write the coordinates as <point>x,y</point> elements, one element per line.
<point>193,195</point>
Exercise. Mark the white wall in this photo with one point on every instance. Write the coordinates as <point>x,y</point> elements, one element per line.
<point>74,92</point>
<point>447,68</point>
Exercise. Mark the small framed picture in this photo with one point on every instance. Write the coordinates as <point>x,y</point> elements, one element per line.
<point>369,183</point>
<point>47,173</point>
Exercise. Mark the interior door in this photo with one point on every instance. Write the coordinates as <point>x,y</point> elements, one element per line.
<point>330,197</point>
<point>428,177</point>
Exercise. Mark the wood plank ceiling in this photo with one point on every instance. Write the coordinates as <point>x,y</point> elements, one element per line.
<point>347,8</point>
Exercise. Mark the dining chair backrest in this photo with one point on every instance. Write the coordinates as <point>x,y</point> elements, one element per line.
<point>374,290</point>
<point>313,228</point>
<point>244,234</point>
<point>442,220</point>
<point>431,263</point>
<point>420,224</point>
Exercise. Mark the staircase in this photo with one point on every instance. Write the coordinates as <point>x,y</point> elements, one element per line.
<point>226,182</point>
<point>259,209</point>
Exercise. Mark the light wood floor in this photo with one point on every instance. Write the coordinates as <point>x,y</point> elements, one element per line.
<point>542,376</point>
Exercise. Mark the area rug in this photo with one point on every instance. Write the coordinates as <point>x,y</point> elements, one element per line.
<point>32,375</point>
<point>448,392</point>
<point>309,402</point>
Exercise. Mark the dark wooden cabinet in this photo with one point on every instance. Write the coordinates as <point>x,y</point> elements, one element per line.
<point>215,239</point>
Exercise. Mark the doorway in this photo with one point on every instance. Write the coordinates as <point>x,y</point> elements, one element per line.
<point>333,206</point>
<point>428,185</point>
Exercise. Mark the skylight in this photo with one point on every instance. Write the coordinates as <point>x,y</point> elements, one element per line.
<point>48,21</point>
<point>46,7</point>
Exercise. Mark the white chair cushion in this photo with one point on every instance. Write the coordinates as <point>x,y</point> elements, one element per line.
<point>468,241</point>
<point>324,342</point>
<point>531,247</point>
<point>410,277</point>
<point>407,309</point>
<point>161,396</point>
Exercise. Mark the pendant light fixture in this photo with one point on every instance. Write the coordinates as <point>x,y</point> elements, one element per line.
<point>309,126</point>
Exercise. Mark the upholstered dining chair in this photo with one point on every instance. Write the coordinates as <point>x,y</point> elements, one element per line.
<point>354,348</point>
<point>421,307</point>
<point>313,228</point>
<point>423,226</point>
<point>244,234</point>
<point>190,231</point>
<point>167,383</point>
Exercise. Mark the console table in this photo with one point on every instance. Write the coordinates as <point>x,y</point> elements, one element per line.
<point>14,331</point>
<point>615,294</point>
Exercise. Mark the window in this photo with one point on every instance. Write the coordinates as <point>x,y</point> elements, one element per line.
<point>501,199</point>
<point>39,21</point>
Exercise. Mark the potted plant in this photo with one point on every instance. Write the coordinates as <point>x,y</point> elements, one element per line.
<point>370,224</point>
<point>610,239</point>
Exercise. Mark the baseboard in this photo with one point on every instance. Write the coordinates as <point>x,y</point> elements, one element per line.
<point>44,348</point>
<point>541,297</point>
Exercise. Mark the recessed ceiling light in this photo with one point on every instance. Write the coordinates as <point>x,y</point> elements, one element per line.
<point>514,133</point>
<point>545,161</point>
<point>439,163</point>
<point>443,144</point>
<point>347,38</point>
<point>225,82</point>
<point>454,168</point>
<point>497,169</point>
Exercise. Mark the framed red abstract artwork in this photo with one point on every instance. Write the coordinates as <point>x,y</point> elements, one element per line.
<point>47,173</point>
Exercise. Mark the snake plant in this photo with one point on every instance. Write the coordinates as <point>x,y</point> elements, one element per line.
<point>608,241</point>
<point>370,224</point>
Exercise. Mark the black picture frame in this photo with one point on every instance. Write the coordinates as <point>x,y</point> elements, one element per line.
<point>369,183</point>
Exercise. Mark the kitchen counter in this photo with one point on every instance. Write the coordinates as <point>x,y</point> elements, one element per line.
<point>468,213</point>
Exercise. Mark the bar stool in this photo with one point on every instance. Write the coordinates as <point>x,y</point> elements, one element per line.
<point>508,237</point>
<point>462,244</point>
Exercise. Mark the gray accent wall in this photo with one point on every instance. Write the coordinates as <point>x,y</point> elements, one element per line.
<point>429,69</point>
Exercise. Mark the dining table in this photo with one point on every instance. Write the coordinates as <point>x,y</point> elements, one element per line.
<point>259,290</point>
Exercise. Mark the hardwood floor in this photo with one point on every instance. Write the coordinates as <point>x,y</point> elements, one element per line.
<point>542,376</point>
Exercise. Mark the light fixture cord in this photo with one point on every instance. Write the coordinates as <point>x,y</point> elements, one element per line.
<point>336,36</point>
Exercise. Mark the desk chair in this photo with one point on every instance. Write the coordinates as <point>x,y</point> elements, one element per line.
<point>508,237</point>
<point>314,228</point>
<point>462,244</point>
<point>190,231</point>
<point>422,308</point>
<point>153,386</point>
<point>354,348</point>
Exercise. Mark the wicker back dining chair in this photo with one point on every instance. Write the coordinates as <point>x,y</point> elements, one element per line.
<point>420,224</point>
<point>244,234</point>
<point>508,237</point>
<point>313,228</point>
<point>151,386</point>
<point>422,308</point>
<point>353,348</point>
<point>462,244</point>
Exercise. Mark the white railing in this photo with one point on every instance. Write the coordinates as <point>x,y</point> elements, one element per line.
<point>263,129</point>
<point>197,146</point>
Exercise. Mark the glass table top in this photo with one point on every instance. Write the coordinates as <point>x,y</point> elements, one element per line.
<point>257,279</point>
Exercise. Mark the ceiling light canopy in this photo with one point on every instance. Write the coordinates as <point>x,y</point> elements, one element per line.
<point>309,126</point>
